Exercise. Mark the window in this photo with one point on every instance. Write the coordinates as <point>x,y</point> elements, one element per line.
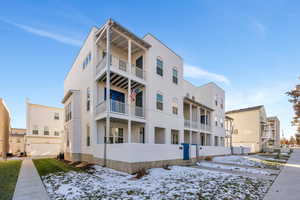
<point>35,130</point>
<point>222,141</point>
<point>159,66</point>
<point>115,136</point>
<point>216,141</point>
<point>159,102</point>
<point>175,76</point>
<point>18,141</point>
<point>222,103</point>
<point>68,137</point>
<point>175,106</point>
<point>88,99</point>
<point>68,112</point>
<point>86,60</point>
<point>88,137</point>
<point>216,100</point>
<point>142,135</point>
<point>175,137</point>
<point>235,131</point>
<point>56,133</point>
<point>56,116</point>
<point>216,121</point>
<point>46,130</point>
<point>221,122</point>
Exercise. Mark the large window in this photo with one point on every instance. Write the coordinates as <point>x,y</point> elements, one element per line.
<point>88,99</point>
<point>175,137</point>
<point>159,67</point>
<point>116,135</point>
<point>35,130</point>
<point>46,130</point>
<point>88,137</point>
<point>216,141</point>
<point>56,133</point>
<point>175,106</point>
<point>159,102</point>
<point>68,112</point>
<point>175,76</point>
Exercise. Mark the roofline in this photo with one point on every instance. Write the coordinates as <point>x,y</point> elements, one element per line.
<point>40,105</point>
<point>211,82</point>
<point>196,102</point>
<point>67,95</point>
<point>84,41</point>
<point>150,34</point>
<point>245,109</point>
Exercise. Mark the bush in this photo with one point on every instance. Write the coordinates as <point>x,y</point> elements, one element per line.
<point>140,173</point>
<point>208,158</point>
<point>166,167</point>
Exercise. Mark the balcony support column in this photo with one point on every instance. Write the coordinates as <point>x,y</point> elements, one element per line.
<point>190,115</point>
<point>108,53</point>
<point>129,110</point>
<point>205,120</point>
<point>129,56</point>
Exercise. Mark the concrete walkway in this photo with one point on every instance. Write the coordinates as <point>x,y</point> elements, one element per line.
<point>287,184</point>
<point>29,185</point>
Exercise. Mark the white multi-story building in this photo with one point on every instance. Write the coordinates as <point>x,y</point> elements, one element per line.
<point>151,111</point>
<point>45,127</point>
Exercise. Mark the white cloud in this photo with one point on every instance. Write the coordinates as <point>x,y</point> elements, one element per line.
<point>191,71</point>
<point>259,28</point>
<point>46,34</point>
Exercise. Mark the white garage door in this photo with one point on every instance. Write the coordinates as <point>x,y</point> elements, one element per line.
<point>43,149</point>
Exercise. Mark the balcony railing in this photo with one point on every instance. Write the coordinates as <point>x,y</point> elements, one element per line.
<point>138,111</point>
<point>195,125</point>
<point>115,106</point>
<point>187,123</point>
<point>117,63</point>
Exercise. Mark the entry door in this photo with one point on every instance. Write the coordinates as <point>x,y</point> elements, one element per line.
<point>186,151</point>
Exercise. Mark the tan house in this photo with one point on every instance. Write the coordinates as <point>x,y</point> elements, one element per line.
<point>4,128</point>
<point>249,128</point>
<point>44,135</point>
<point>17,141</point>
<point>274,131</point>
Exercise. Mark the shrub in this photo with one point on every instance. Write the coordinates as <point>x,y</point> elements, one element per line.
<point>166,167</point>
<point>208,158</point>
<point>140,173</point>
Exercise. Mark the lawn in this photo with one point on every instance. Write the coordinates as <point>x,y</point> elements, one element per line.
<point>176,183</point>
<point>49,165</point>
<point>9,171</point>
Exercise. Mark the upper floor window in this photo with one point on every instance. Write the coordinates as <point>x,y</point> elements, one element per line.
<point>175,76</point>
<point>216,141</point>
<point>88,99</point>
<point>68,112</point>
<point>159,101</point>
<point>56,133</point>
<point>56,116</point>
<point>35,130</point>
<point>216,121</point>
<point>222,103</point>
<point>86,60</point>
<point>159,67</point>
<point>175,106</point>
<point>46,130</point>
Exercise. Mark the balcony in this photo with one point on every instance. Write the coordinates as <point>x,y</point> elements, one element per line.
<point>120,64</point>
<point>120,108</point>
<point>196,125</point>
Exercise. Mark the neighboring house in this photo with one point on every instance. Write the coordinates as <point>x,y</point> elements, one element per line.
<point>44,130</point>
<point>4,128</point>
<point>17,141</point>
<point>229,128</point>
<point>151,109</point>
<point>249,127</point>
<point>274,131</point>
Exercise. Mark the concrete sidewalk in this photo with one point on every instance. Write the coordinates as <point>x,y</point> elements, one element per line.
<point>287,184</point>
<point>29,185</point>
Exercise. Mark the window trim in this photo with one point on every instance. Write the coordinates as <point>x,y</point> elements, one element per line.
<point>159,59</point>
<point>174,69</point>
<point>159,101</point>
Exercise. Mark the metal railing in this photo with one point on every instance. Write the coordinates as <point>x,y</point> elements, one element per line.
<point>138,111</point>
<point>194,124</point>
<point>115,106</point>
<point>138,72</point>
<point>120,64</point>
<point>187,123</point>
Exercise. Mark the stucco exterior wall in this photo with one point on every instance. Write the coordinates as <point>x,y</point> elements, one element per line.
<point>4,128</point>
<point>247,129</point>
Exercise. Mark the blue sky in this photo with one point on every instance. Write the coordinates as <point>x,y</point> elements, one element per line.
<point>250,47</point>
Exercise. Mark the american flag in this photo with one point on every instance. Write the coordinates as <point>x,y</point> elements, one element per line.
<point>134,93</point>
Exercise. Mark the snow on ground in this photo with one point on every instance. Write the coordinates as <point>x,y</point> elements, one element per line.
<point>252,161</point>
<point>177,183</point>
<point>233,168</point>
